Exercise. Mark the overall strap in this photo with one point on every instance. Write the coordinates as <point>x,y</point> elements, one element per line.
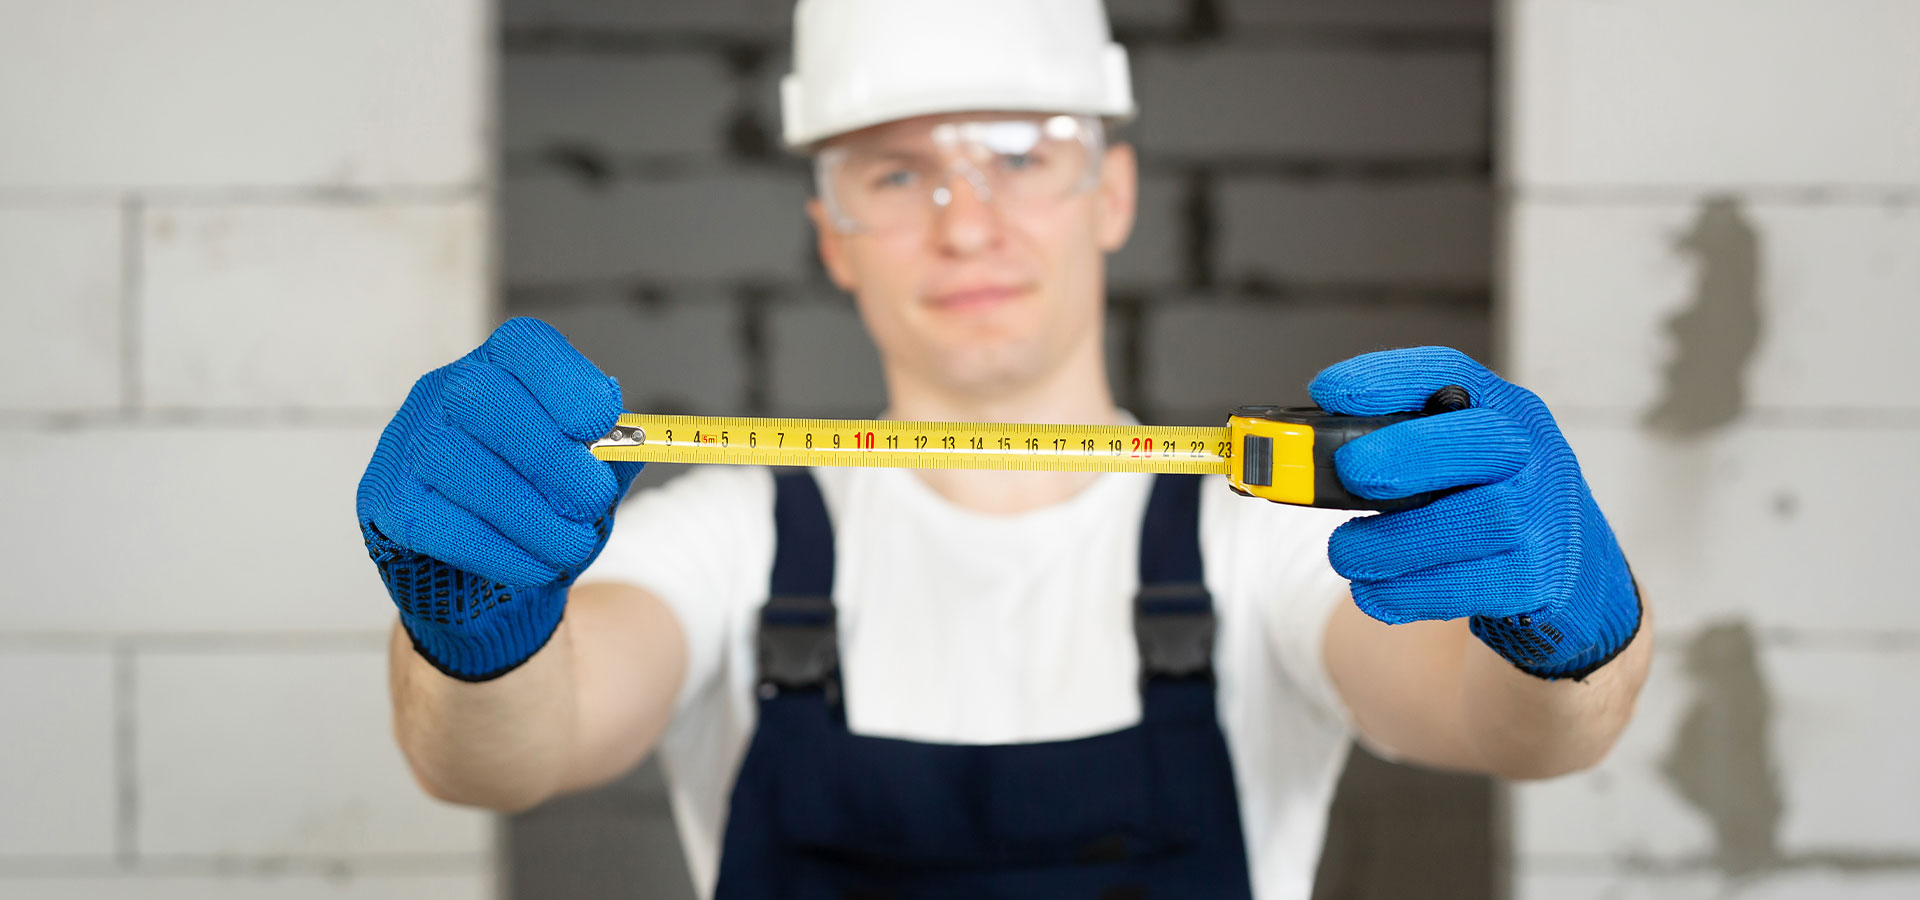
<point>1173,614</point>
<point>796,646</point>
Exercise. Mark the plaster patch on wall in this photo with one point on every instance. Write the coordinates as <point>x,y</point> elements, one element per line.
<point>1721,762</point>
<point>1716,334</point>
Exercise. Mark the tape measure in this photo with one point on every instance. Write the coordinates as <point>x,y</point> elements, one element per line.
<point>1283,454</point>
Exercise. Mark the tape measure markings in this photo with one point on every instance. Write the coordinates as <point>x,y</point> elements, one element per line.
<point>947,445</point>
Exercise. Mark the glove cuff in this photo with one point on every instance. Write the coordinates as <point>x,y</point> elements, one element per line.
<point>466,626</point>
<point>511,632</point>
<point>1539,648</point>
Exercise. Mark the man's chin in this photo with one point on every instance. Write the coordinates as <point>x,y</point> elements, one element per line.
<point>990,372</point>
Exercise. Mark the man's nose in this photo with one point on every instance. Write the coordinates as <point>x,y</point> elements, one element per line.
<point>967,222</point>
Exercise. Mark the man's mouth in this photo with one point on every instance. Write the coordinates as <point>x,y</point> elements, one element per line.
<point>978,297</point>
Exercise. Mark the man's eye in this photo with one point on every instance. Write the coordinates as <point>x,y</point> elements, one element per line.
<point>1020,162</point>
<point>898,178</point>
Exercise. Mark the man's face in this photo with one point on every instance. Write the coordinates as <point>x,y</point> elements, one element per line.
<point>975,295</point>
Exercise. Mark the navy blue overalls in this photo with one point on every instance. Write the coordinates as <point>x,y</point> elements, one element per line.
<point>820,813</point>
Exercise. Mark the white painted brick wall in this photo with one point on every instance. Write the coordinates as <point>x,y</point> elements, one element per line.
<point>229,529</point>
<point>1554,885</point>
<point>325,306</point>
<point>224,94</point>
<point>1715,92</point>
<point>57,786</point>
<point>226,755</point>
<point>231,235</point>
<point>1792,519</point>
<point>1762,520</point>
<point>1847,743</point>
<point>60,335</point>
<point>244,886</point>
<point>1840,290</point>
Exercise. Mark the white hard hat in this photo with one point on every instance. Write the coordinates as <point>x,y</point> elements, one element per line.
<point>863,62</point>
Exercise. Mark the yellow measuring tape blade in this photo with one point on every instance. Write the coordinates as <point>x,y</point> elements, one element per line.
<point>918,445</point>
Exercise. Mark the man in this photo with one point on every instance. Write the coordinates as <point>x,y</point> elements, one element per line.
<point>881,683</point>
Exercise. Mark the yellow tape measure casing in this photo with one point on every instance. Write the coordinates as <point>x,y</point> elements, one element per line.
<point>1277,463</point>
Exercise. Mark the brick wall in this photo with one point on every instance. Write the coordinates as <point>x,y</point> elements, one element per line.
<point>1315,183</point>
<point>231,234</point>
<point>1713,275</point>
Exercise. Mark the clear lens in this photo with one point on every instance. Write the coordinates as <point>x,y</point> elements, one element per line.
<point>897,178</point>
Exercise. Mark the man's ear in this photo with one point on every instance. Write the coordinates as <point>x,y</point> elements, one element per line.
<point>832,244</point>
<point>1116,197</point>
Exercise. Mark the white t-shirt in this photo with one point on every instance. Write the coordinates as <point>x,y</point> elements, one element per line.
<point>968,628</point>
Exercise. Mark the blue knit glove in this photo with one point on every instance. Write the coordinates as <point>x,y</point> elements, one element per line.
<point>1522,548</point>
<point>482,503</point>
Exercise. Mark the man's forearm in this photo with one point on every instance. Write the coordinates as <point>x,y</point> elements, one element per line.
<point>500,744</point>
<point>1522,726</point>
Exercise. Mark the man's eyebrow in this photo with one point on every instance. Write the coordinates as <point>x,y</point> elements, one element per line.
<point>893,154</point>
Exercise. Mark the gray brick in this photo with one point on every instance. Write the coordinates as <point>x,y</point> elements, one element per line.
<point>617,105</point>
<point>1154,14</point>
<point>742,225</point>
<point>822,362</point>
<point>1367,13</point>
<point>677,356</point>
<point>1435,233</point>
<point>1156,252</point>
<point>730,16</point>
<point>1118,333</point>
<point>1344,104</point>
<point>604,843</point>
<point>1203,358</point>
<point>761,93</point>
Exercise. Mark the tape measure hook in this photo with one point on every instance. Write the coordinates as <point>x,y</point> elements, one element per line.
<point>623,436</point>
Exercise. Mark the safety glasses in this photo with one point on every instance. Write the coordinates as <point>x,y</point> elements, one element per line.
<point>896,178</point>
